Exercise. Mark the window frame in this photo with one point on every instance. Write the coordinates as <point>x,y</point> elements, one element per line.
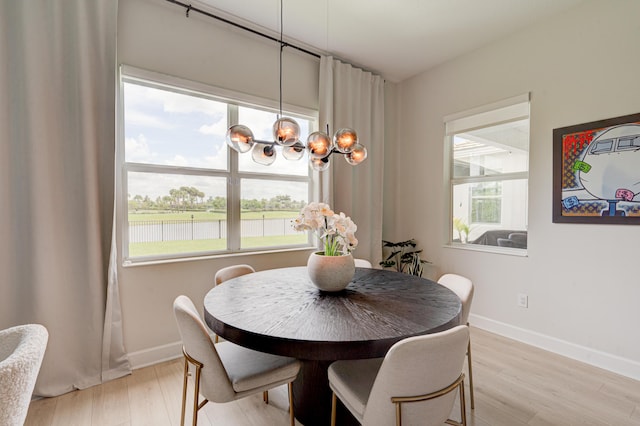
<point>232,174</point>
<point>502,112</point>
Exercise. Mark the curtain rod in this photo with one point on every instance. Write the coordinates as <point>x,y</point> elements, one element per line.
<point>219,18</point>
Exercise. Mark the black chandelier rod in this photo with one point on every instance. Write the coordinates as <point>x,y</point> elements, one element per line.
<point>235,24</point>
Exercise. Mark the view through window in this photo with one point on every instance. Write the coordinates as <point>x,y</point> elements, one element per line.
<point>489,176</point>
<point>186,192</point>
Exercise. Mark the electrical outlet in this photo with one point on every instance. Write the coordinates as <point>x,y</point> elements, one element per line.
<point>523,300</point>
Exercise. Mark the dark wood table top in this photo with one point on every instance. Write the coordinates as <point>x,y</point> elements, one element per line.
<point>280,311</point>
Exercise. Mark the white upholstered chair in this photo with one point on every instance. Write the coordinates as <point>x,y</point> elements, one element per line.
<point>414,383</point>
<point>21,351</point>
<point>362,263</point>
<point>229,272</point>
<point>232,271</point>
<point>463,287</point>
<point>224,371</point>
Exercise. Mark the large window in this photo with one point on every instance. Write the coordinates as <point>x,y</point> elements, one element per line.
<point>489,167</point>
<point>184,193</point>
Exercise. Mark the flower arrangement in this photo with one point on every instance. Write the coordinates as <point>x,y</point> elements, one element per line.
<point>336,231</point>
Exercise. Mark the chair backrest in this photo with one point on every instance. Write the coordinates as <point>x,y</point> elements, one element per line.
<point>233,271</point>
<point>21,351</point>
<point>417,366</point>
<point>362,263</point>
<point>214,381</point>
<point>463,287</point>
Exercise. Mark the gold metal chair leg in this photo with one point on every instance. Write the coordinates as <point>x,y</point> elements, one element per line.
<point>184,391</point>
<point>334,401</point>
<point>291,416</point>
<point>463,407</point>
<point>196,396</point>
<point>473,406</point>
<point>196,388</point>
<point>215,340</point>
<point>265,397</point>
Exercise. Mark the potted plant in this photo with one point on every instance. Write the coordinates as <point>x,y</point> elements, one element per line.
<point>463,229</point>
<point>403,257</point>
<point>331,269</point>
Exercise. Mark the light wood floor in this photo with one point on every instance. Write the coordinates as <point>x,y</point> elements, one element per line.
<point>515,384</point>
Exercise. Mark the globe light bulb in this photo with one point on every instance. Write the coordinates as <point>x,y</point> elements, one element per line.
<point>263,153</point>
<point>319,164</point>
<point>345,139</point>
<point>286,131</point>
<point>293,152</point>
<point>357,155</point>
<point>240,138</point>
<point>319,145</point>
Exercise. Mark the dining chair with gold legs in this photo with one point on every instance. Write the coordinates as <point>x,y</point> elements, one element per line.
<point>228,273</point>
<point>415,383</point>
<point>463,288</point>
<point>232,271</point>
<point>362,263</point>
<point>226,372</point>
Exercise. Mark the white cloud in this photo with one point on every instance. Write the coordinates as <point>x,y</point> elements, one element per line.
<point>219,160</point>
<point>185,104</point>
<point>219,127</point>
<point>178,160</point>
<point>140,118</point>
<point>137,150</point>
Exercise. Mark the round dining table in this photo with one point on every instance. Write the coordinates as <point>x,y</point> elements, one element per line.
<point>280,311</point>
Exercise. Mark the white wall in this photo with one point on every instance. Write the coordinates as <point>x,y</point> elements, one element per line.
<point>579,67</point>
<point>582,280</point>
<point>156,35</point>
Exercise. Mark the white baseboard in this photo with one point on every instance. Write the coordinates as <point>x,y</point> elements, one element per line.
<point>610,362</point>
<point>155,355</point>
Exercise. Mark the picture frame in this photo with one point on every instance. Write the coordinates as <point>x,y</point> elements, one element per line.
<point>596,172</point>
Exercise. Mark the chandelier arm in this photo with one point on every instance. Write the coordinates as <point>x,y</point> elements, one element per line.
<point>333,151</point>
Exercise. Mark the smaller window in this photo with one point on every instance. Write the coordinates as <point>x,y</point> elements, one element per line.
<point>489,172</point>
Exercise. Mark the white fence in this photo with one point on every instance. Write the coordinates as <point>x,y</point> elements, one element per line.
<point>148,231</point>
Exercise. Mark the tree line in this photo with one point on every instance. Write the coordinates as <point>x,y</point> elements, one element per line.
<point>188,198</point>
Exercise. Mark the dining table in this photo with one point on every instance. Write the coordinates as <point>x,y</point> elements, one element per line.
<point>280,311</point>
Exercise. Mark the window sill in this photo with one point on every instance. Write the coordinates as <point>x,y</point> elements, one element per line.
<point>134,263</point>
<point>488,249</point>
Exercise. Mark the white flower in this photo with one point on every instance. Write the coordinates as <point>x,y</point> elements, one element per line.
<point>336,231</point>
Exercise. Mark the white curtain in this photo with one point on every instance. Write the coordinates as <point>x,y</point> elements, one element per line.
<point>351,97</point>
<point>57,136</point>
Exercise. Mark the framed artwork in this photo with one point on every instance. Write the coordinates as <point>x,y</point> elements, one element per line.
<point>596,172</point>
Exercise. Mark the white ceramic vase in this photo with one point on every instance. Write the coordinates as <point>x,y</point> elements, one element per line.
<point>330,273</point>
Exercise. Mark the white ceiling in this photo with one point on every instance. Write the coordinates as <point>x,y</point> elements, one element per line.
<point>397,39</point>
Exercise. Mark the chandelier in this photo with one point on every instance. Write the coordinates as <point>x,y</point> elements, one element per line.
<point>286,137</point>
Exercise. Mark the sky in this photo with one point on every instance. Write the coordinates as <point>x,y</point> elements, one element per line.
<point>170,128</point>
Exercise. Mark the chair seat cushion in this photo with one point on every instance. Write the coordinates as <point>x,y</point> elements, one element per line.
<point>352,381</point>
<point>248,369</point>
